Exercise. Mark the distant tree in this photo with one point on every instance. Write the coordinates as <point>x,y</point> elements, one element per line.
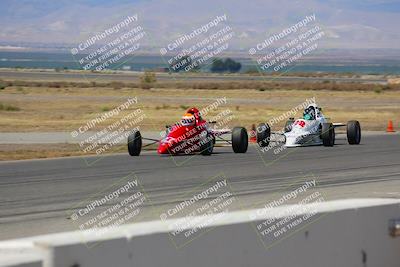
<point>218,65</point>
<point>227,65</point>
<point>232,66</point>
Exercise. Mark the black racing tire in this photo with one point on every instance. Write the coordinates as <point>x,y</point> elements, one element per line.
<point>134,143</point>
<point>328,134</point>
<point>263,134</point>
<point>353,132</point>
<point>288,125</point>
<point>240,140</point>
<point>207,147</point>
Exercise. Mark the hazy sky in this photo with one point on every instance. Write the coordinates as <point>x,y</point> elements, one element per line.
<point>347,23</point>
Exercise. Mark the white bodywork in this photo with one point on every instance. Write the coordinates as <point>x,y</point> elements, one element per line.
<point>303,133</point>
<point>306,132</point>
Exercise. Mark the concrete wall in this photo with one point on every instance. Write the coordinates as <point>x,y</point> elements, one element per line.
<point>342,233</point>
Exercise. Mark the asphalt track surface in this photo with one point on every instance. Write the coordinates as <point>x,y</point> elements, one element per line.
<point>134,77</point>
<point>36,195</point>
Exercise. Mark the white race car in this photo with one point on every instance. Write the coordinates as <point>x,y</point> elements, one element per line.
<point>313,129</point>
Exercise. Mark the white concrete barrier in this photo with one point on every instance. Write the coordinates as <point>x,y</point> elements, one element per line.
<point>20,254</point>
<point>350,232</point>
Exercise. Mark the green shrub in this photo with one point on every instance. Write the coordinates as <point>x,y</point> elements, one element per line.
<point>2,85</point>
<point>7,107</point>
<point>147,80</point>
<point>117,85</point>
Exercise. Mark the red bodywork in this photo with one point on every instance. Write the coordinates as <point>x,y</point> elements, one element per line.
<point>184,139</point>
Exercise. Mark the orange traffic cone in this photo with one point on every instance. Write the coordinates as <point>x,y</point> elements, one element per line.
<point>390,127</point>
<point>253,132</point>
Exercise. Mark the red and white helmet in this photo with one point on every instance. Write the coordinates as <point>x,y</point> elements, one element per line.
<point>195,112</point>
<point>188,119</point>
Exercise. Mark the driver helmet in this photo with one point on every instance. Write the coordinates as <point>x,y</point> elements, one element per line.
<point>309,113</point>
<point>188,120</point>
<point>195,112</point>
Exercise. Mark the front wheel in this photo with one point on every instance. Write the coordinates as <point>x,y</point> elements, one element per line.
<point>328,134</point>
<point>207,146</point>
<point>353,132</point>
<point>134,143</point>
<point>240,140</point>
<point>263,134</point>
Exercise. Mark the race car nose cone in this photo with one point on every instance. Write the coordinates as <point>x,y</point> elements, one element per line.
<point>291,141</point>
<point>162,149</point>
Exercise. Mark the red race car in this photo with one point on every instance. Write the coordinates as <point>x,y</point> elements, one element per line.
<point>191,135</point>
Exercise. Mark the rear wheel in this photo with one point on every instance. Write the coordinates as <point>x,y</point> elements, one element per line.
<point>328,134</point>
<point>207,146</point>
<point>135,143</point>
<point>353,132</point>
<point>240,140</point>
<point>263,134</point>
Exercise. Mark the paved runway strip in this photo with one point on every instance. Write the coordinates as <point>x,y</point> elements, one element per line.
<point>35,195</point>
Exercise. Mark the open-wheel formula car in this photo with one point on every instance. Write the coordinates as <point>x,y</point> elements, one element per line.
<point>191,135</point>
<point>313,129</point>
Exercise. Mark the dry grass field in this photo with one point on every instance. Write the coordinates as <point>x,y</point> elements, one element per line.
<point>64,108</point>
<point>50,106</point>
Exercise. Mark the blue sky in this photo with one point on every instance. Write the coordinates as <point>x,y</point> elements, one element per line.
<point>349,23</point>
